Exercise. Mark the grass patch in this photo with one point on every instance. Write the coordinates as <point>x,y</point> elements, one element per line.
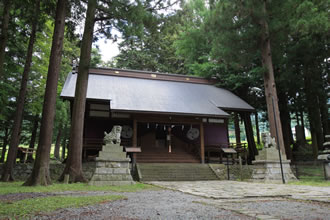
<point>309,182</point>
<point>16,187</point>
<point>311,175</point>
<point>24,208</point>
<point>311,171</point>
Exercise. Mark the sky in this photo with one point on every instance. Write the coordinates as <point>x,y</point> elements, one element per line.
<point>108,49</point>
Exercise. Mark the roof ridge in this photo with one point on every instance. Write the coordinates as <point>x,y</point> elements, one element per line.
<point>148,72</point>
<point>150,75</point>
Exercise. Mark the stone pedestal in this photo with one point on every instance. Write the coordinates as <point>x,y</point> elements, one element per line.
<point>325,157</point>
<point>112,167</point>
<point>268,168</point>
<point>327,171</point>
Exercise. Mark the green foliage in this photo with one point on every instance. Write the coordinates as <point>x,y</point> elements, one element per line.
<point>152,49</point>
<point>27,207</point>
<point>216,42</point>
<point>310,17</point>
<point>15,57</point>
<point>96,58</point>
<point>221,39</point>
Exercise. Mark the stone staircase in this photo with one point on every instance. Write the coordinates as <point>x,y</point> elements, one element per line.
<point>175,172</point>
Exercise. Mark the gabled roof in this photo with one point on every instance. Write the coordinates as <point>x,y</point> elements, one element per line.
<point>148,92</point>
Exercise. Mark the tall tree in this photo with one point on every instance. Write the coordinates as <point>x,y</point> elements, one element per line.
<point>4,144</point>
<point>73,166</point>
<point>14,141</point>
<point>154,50</point>
<point>40,173</point>
<point>308,55</point>
<point>235,48</point>
<point>269,80</point>
<point>64,140</point>
<point>33,135</point>
<point>125,16</point>
<point>58,142</point>
<point>4,33</point>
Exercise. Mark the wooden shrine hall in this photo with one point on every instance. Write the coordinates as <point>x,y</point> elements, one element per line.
<point>171,118</point>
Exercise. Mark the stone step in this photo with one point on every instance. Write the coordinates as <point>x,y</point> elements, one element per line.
<point>175,172</point>
<point>112,177</point>
<point>110,183</point>
<point>173,165</point>
<point>167,158</point>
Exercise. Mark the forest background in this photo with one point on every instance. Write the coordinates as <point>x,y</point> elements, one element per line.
<point>219,39</point>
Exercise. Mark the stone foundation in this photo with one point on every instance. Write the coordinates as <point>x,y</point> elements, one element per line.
<point>23,170</point>
<point>270,171</point>
<point>268,167</point>
<point>234,171</point>
<point>112,167</point>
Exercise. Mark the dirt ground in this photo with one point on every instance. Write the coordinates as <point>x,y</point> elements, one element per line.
<point>168,204</point>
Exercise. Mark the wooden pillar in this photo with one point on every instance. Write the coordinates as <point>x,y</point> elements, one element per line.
<point>134,133</point>
<point>257,127</point>
<point>134,144</point>
<point>237,129</point>
<point>227,128</point>
<point>202,142</point>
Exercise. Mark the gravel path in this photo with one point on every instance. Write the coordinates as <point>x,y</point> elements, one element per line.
<point>287,209</point>
<point>211,201</point>
<point>168,204</point>
<point>153,204</point>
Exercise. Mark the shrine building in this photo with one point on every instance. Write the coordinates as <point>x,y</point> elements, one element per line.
<point>171,118</point>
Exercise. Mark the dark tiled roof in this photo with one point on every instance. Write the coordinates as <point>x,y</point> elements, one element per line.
<point>138,91</point>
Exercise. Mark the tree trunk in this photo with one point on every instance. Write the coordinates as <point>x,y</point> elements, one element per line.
<point>57,143</point>
<point>40,172</point>
<point>4,34</point>
<point>15,136</point>
<point>286,122</point>
<point>237,128</point>
<point>5,143</point>
<point>270,86</point>
<point>33,136</point>
<point>257,127</point>
<point>297,118</point>
<point>324,112</point>
<point>302,122</point>
<point>314,143</point>
<point>249,136</point>
<point>313,109</point>
<point>74,163</point>
<point>64,141</point>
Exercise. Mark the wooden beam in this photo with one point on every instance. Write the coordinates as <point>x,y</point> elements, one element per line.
<point>167,119</point>
<point>134,133</point>
<point>202,142</point>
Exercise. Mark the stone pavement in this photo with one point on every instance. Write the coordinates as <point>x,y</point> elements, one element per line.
<point>239,190</point>
<point>247,197</point>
